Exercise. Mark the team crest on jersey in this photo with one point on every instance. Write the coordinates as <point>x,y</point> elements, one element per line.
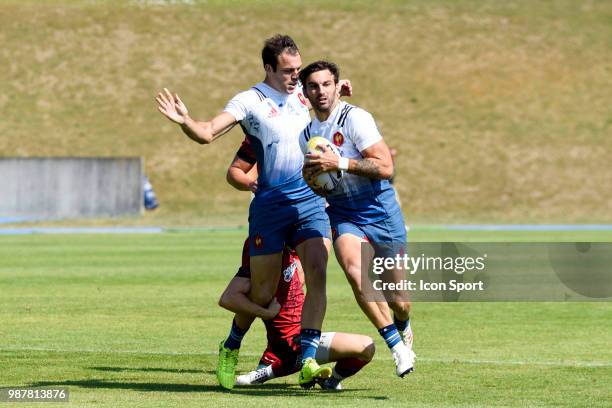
<point>289,271</point>
<point>302,99</point>
<point>258,241</point>
<point>338,139</point>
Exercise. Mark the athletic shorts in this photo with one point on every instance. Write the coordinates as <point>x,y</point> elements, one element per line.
<point>387,235</point>
<point>273,226</point>
<point>289,353</point>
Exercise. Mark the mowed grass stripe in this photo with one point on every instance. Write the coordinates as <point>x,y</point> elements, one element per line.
<point>134,330</point>
<point>458,360</point>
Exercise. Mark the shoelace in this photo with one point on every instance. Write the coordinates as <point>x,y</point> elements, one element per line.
<point>229,356</point>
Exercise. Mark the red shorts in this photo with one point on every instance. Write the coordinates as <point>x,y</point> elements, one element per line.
<point>284,356</point>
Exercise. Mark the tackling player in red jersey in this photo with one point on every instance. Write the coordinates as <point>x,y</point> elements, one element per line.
<point>282,318</point>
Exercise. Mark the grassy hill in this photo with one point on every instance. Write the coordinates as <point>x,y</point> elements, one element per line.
<point>500,111</point>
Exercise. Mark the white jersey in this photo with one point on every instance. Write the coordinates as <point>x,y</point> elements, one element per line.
<point>272,122</point>
<point>352,130</point>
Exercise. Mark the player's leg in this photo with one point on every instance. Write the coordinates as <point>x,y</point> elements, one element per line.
<point>279,360</point>
<point>264,370</point>
<point>348,252</point>
<point>265,273</point>
<point>348,248</point>
<point>313,254</point>
<point>240,323</point>
<point>266,243</point>
<point>392,231</point>
<point>350,351</point>
<point>401,317</point>
<point>310,238</point>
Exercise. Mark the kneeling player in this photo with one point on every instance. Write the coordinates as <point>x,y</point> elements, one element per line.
<point>282,319</point>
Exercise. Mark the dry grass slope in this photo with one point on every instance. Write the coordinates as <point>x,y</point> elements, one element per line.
<point>500,111</point>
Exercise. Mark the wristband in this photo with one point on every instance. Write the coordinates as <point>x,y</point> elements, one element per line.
<point>343,164</point>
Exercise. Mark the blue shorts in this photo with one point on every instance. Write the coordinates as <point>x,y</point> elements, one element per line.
<point>387,235</point>
<point>272,226</point>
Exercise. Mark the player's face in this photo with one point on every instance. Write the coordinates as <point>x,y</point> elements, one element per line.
<point>321,90</point>
<point>285,78</point>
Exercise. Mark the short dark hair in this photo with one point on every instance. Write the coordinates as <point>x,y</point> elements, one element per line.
<point>319,66</point>
<point>275,46</point>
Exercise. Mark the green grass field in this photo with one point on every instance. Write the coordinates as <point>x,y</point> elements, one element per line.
<point>132,320</point>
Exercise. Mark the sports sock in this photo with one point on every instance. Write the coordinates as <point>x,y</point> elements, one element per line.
<point>309,341</point>
<point>347,367</point>
<point>235,337</point>
<point>269,372</point>
<point>390,335</point>
<point>401,324</point>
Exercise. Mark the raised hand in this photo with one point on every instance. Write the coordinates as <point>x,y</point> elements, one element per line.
<point>172,107</point>
<point>346,88</point>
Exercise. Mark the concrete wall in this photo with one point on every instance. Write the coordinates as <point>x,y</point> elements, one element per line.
<point>70,187</point>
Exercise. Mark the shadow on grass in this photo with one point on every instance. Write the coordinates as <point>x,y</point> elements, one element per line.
<point>264,390</point>
<point>150,370</point>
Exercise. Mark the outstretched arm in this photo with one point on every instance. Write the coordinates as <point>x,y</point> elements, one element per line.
<point>172,107</point>
<point>235,299</point>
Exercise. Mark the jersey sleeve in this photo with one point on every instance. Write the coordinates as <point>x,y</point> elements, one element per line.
<point>246,152</point>
<point>362,129</point>
<point>240,105</point>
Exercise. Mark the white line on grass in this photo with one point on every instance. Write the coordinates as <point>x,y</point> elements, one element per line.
<point>592,364</point>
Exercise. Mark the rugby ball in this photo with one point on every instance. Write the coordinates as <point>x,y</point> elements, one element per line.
<point>330,179</point>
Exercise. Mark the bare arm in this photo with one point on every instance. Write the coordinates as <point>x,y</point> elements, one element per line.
<point>235,299</point>
<point>172,107</point>
<point>376,163</point>
<point>242,175</point>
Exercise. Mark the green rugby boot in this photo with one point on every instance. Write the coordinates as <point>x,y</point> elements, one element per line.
<point>226,367</point>
<point>311,371</point>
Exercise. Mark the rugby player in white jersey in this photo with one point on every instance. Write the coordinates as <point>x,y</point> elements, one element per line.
<point>272,113</point>
<point>362,207</point>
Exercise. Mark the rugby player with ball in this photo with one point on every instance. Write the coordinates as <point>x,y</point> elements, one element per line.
<point>362,204</point>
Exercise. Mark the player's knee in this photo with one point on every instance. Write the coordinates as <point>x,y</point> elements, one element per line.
<point>316,275</point>
<point>353,275</point>
<point>316,268</point>
<point>367,353</point>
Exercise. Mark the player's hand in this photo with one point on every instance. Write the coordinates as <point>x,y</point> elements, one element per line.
<point>273,308</point>
<point>172,107</point>
<point>253,186</point>
<point>310,172</point>
<point>327,160</point>
<point>346,88</point>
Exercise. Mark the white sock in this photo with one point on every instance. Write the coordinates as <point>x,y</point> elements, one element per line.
<point>269,372</point>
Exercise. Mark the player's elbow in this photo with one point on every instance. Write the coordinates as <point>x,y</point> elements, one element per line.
<point>229,177</point>
<point>204,139</point>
